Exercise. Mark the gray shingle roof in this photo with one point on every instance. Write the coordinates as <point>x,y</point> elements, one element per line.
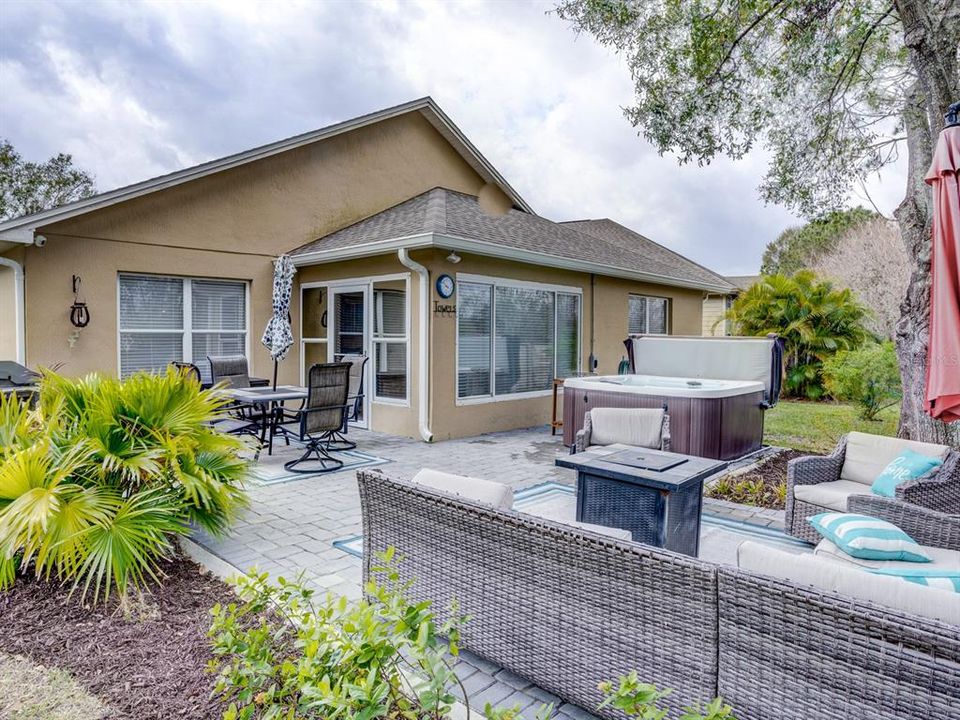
<point>742,282</point>
<point>445,212</point>
<point>654,254</point>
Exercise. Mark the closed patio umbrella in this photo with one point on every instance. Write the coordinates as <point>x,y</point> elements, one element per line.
<point>943,352</point>
<point>278,335</point>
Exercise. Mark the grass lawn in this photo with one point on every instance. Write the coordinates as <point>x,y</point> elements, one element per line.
<point>816,426</point>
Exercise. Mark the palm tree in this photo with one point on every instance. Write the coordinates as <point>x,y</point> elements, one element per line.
<point>99,477</point>
<point>814,319</point>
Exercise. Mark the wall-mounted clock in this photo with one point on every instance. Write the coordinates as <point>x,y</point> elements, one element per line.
<point>445,286</point>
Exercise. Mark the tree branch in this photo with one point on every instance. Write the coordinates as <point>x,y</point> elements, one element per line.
<point>859,54</point>
<point>737,40</point>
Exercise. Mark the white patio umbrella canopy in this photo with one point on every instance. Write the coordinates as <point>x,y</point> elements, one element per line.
<point>278,335</point>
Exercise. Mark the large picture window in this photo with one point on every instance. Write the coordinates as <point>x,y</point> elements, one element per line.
<point>514,339</point>
<point>647,315</point>
<point>163,319</point>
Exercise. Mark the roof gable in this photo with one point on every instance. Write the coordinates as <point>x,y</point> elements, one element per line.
<point>21,229</point>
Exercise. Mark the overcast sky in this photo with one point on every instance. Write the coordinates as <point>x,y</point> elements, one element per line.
<point>134,90</point>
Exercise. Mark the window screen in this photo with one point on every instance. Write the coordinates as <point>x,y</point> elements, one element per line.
<point>513,339</point>
<point>647,315</point>
<point>524,340</point>
<point>155,330</point>
<point>474,318</point>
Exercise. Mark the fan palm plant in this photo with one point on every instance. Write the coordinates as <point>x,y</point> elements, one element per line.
<point>98,478</point>
<point>814,319</point>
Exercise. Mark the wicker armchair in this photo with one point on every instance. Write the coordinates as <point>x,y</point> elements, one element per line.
<point>585,437</point>
<point>928,527</point>
<point>938,490</point>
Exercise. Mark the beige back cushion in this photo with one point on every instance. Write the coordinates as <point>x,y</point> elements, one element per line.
<point>631,426</point>
<point>867,455</point>
<point>485,491</point>
<point>856,582</point>
<point>739,358</point>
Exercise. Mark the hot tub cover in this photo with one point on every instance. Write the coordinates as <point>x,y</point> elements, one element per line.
<point>756,359</point>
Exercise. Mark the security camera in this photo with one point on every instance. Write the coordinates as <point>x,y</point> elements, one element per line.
<point>40,240</point>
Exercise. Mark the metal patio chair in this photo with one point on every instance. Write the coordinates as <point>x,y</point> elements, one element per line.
<point>321,418</point>
<point>358,364</point>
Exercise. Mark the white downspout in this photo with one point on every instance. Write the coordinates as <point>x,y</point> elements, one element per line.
<point>18,307</point>
<point>424,342</point>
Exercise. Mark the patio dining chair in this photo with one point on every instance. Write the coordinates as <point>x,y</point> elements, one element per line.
<point>358,364</point>
<point>188,370</point>
<point>237,425</point>
<point>321,418</point>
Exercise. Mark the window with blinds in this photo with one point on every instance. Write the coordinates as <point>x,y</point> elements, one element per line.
<point>514,339</point>
<point>165,319</point>
<point>647,315</point>
<point>389,344</point>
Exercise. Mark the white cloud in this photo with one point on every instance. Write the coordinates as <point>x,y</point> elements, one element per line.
<point>141,89</point>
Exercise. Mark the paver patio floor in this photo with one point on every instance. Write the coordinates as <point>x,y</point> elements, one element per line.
<point>291,525</point>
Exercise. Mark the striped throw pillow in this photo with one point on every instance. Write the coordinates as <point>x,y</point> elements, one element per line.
<point>868,538</point>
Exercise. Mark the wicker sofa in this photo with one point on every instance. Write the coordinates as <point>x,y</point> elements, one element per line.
<point>818,484</point>
<point>565,608</point>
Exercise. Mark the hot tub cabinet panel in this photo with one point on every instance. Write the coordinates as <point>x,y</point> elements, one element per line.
<point>713,427</point>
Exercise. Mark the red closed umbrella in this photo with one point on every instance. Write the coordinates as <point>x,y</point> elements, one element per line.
<point>943,352</point>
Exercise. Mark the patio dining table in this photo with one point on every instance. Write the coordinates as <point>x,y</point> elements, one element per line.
<point>270,398</point>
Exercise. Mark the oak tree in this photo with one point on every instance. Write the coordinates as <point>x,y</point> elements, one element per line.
<point>833,89</point>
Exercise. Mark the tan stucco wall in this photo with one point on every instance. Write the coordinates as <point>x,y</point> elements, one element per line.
<point>611,324</point>
<point>451,420</point>
<point>384,417</point>
<point>227,225</point>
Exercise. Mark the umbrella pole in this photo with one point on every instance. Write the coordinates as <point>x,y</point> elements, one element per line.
<point>275,364</point>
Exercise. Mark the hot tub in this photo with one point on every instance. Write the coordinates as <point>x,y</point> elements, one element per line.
<point>715,390</point>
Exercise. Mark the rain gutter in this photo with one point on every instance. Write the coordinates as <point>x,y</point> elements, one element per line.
<point>423,342</point>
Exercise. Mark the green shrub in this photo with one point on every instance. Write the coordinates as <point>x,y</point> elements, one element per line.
<point>282,652</point>
<point>98,478</point>
<point>869,377</point>
<point>814,319</point>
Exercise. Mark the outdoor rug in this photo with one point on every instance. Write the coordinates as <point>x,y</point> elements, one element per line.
<point>269,470</point>
<point>719,536</point>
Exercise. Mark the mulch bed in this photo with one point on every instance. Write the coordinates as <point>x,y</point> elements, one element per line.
<point>770,474</point>
<point>149,664</point>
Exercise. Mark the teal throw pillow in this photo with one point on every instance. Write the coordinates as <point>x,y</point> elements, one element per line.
<point>908,465</point>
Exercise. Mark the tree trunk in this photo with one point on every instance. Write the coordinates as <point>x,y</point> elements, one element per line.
<point>931,41</point>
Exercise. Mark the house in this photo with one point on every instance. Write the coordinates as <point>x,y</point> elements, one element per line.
<point>715,305</point>
<point>410,248</point>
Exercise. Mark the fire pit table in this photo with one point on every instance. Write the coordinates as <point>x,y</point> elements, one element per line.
<point>656,495</point>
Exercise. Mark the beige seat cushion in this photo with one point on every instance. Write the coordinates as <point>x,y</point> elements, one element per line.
<point>485,491</point>
<point>829,495</point>
<point>867,455</point>
<point>630,426</point>
<point>940,558</point>
<point>852,581</point>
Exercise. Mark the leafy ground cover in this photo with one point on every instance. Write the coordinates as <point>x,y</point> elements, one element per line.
<point>148,663</point>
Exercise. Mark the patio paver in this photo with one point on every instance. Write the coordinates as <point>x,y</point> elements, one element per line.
<point>291,526</point>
